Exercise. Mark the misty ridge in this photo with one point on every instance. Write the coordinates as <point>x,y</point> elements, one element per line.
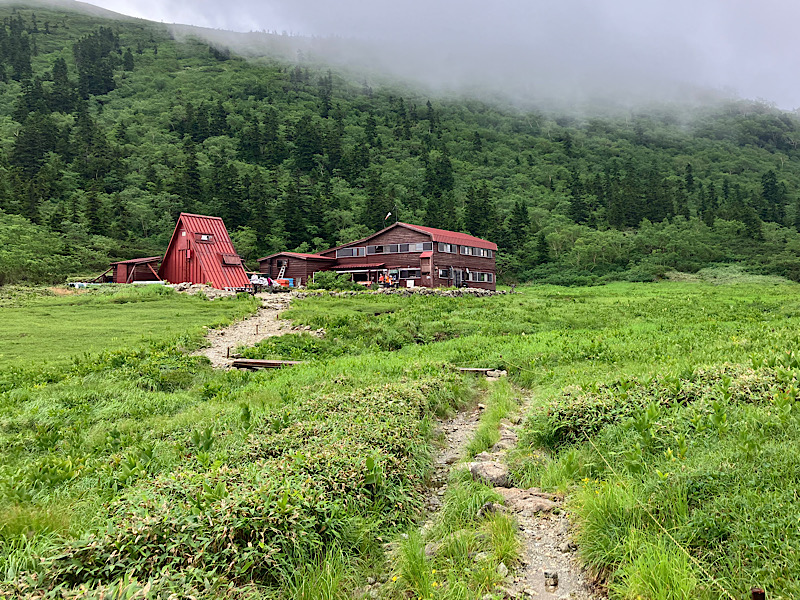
<point>570,55</point>
<point>582,57</point>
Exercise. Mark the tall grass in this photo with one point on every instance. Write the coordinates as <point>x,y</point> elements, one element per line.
<point>137,435</point>
<point>501,403</point>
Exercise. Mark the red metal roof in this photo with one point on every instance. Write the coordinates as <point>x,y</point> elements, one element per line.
<point>427,254</point>
<point>452,237</point>
<point>137,261</point>
<point>190,259</point>
<point>300,255</point>
<point>438,235</point>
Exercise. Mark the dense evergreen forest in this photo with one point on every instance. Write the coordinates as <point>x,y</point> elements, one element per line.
<point>109,129</point>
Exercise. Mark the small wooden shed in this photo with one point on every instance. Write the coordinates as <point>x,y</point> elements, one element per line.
<point>134,270</point>
<point>297,266</point>
<point>201,251</point>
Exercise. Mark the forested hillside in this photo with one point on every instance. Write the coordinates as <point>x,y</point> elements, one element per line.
<point>108,129</point>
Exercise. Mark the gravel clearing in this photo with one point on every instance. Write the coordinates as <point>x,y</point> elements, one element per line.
<point>264,323</point>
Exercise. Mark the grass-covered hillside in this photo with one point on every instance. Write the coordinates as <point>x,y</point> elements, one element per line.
<point>110,128</point>
<point>667,412</point>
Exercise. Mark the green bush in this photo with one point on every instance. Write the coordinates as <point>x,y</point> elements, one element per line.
<point>331,280</point>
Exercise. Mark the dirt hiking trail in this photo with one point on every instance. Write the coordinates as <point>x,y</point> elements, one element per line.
<point>549,568</point>
<point>247,332</point>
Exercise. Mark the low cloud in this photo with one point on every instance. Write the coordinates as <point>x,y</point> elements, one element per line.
<point>574,50</point>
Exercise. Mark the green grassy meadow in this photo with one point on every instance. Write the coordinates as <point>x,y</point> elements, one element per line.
<point>53,330</point>
<point>666,407</point>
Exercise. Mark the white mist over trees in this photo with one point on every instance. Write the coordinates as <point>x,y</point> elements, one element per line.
<point>576,50</point>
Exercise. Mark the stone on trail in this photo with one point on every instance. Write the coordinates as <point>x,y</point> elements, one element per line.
<point>508,440</point>
<point>431,548</point>
<point>496,373</point>
<point>528,502</point>
<point>491,472</point>
<point>490,507</point>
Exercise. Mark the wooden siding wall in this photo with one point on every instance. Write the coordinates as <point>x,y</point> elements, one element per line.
<point>411,260</point>
<point>176,268</point>
<point>122,272</point>
<point>445,260</point>
<point>303,270</point>
<point>298,269</point>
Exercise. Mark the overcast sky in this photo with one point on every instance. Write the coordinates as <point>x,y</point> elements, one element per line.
<point>622,48</point>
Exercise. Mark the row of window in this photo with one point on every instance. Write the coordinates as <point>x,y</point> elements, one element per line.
<point>465,250</point>
<point>479,277</point>
<point>383,249</point>
<point>468,276</point>
<point>405,273</point>
<point>419,247</point>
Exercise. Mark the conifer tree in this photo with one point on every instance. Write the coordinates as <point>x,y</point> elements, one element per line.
<point>542,249</point>
<point>378,204</point>
<point>519,222</point>
<point>293,213</point>
<point>307,144</point>
<point>62,93</point>
<point>93,213</point>
<point>127,60</point>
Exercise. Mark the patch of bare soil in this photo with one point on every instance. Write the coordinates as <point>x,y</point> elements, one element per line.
<point>247,332</point>
<point>65,291</point>
<point>455,434</point>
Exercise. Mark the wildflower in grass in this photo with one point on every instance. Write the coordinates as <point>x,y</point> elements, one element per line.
<point>394,578</point>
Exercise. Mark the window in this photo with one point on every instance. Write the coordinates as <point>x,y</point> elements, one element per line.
<point>479,277</point>
<point>348,252</point>
<point>451,248</point>
<point>444,274</point>
<point>393,248</point>
<point>204,237</point>
<point>419,247</point>
<point>410,274</point>
<point>465,250</point>
<point>405,247</point>
<point>231,260</point>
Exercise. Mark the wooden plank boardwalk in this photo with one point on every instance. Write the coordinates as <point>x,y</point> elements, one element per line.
<point>253,363</point>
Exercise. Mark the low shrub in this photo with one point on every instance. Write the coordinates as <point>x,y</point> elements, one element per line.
<point>331,280</point>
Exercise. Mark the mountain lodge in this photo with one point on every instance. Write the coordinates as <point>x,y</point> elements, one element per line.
<point>413,254</point>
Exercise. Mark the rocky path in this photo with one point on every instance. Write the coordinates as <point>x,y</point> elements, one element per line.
<point>456,434</point>
<point>247,332</point>
<point>549,567</point>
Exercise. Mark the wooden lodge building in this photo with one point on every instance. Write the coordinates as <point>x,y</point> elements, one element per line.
<point>200,251</point>
<point>411,254</point>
